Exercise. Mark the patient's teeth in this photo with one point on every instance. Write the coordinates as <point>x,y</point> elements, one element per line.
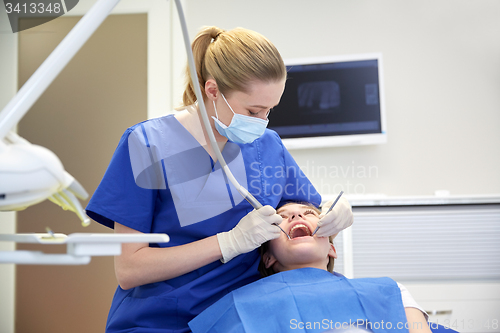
<point>300,230</point>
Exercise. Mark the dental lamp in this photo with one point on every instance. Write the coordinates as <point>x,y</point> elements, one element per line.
<point>30,174</point>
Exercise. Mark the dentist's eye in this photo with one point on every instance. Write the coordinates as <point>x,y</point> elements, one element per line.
<point>253,113</point>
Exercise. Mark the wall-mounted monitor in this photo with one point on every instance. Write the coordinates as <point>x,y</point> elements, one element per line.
<point>332,101</point>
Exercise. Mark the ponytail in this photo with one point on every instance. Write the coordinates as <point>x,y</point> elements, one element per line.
<point>199,46</point>
<point>233,59</point>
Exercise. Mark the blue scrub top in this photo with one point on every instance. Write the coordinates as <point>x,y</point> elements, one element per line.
<point>161,180</point>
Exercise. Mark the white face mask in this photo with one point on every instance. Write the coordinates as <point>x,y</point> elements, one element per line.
<point>242,129</point>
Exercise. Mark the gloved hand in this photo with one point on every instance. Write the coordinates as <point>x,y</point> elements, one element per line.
<point>252,230</point>
<point>337,220</point>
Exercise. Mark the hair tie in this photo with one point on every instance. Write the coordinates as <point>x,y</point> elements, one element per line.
<point>217,36</point>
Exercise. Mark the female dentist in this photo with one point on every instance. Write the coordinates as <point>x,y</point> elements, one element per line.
<point>164,178</point>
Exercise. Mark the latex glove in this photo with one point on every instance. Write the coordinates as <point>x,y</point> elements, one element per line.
<point>337,220</point>
<point>252,230</point>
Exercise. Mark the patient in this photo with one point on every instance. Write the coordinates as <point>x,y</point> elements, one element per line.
<point>300,291</point>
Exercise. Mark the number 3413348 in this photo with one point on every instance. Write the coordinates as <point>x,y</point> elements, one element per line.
<point>33,8</point>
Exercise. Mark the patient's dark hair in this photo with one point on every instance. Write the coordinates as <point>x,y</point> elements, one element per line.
<point>265,247</point>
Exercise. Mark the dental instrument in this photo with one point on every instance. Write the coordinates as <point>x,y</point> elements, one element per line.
<point>50,232</point>
<point>328,211</point>
<point>287,235</point>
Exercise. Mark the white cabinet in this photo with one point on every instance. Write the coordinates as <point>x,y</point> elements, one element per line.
<point>445,251</point>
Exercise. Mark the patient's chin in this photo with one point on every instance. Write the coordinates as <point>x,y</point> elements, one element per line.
<point>303,260</point>
<point>306,249</point>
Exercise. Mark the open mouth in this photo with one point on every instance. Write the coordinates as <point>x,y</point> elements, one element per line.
<point>299,230</point>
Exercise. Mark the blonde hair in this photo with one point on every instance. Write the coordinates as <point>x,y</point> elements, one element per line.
<point>233,58</point>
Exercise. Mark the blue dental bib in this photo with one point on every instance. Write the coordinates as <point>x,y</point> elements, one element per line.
<point>307,300</point>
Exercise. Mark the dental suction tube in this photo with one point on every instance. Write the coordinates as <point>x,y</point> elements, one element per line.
<point>203,111</point>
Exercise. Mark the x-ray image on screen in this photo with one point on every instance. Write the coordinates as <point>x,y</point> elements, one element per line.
<point>318,97</point>
<point>330,99</point>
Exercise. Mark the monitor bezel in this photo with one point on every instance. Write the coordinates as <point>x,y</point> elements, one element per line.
<point>343,139</point>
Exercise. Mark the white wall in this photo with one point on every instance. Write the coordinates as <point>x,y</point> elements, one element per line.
<point>8,87</point>
<point>442,69</point>
<point>7,275</point>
